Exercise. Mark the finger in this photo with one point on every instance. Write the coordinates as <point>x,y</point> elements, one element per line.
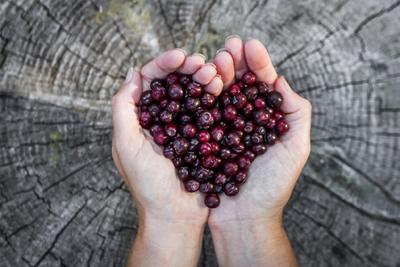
<point>162,65</point>
<point>205,74</point>
<point>225,67</point>
<point>259,61</point>
<point>215,86</point>
<point>126,128</point>
<point>192,64</point>
<point>292,102</point>
<point>234,46</point>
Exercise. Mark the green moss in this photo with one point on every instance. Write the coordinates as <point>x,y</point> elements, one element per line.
<point>132,12</point>
<point>56,149</point>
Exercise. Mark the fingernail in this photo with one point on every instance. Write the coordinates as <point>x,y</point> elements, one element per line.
<point>200,55</point>
<point>211,64</point>
<point>220,50</point>
<point>232,36</point>
<point>182,50</point>
<point>129,75</point>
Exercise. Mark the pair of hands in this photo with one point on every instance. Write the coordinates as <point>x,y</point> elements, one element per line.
<point>151,178</point>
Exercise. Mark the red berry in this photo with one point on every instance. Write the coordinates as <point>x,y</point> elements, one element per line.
<point>249,78</point>
<point>212,200</point>
<point>205,149</point>
<point>204,136</point>
<point>192,185</point>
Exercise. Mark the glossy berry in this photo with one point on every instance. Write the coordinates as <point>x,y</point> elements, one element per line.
<point>234,89</point>
<point>249,78</point>
<point>206,187</point>
<point>232,139</point>
<point>239,148</point>
<point>278,115</point>
<point>226,153</point>
<point>190,157</point>
<point>225,100</point>
<point>158,93</point>
<point>166,117</point>
<point>169,152</point>
<point>247,140</point>
<point>239,123</point>
<point>239,100</point>
<point>261,117</point>
<point>259,149</point>
<point>192,103</point>
<point>212,200</point>
<point>185,119</point>
<point>217,133</point>
<point>274,100</point>
<point>264,88</point>
<point>178,162</point>
<point>192,185</point>
<point>154,110</point>
<point>251,93</point>
<point>189,130</point>
<point>203,136</point>
<point>249,127</point>
<point>203,174</point>
<point>220,179</point>
<point>230,168</point>
<point>282,126</point>
<point>172,78</point>
<point>155,128</point>
<point>249,154</point>
<point>230,113</point>
<point>194,144</point>
<point>171,129</point>
<point>175,92</point>
<point>243,162</point>
<point>156,83</point>
<point>271,138</point>
<point>259,103</point>
<point>231,189</point>
<point>164,103</point>
<point>206,119</point>
<point>217,189</point>
<point>173,107</point>
<point>205,149</point>
<point>217,115</point>
<point>248,109</point>
<point>209,162</point>
<point>194,89</point>
<point>145,119</point>
<point>241,177</point>
<point>185,79</point>
<point>207,100</point>
<point>181,145</point>
<point>184,173</point>
<point>215,147</point>
<point>271,123</point>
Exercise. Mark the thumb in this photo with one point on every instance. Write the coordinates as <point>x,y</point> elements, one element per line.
<point>126,127</point>
<point>297,109</point>
<point>292,103</point>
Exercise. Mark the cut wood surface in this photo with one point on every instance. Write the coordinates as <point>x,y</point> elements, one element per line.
<point>62,202</point>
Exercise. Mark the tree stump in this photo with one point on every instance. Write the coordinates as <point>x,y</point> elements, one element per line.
<point>62,202</point>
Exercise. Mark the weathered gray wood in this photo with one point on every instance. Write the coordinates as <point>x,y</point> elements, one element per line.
<point>62,202</point>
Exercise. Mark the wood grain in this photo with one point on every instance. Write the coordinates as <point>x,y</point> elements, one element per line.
<point>62,202</point>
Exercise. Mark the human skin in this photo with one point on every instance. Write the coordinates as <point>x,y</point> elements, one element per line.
<point>247,229</point>
<point>171,220</point>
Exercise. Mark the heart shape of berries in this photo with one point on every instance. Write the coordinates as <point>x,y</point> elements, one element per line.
<point>212,140</point>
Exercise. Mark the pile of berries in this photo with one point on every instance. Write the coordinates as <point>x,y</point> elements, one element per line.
<point>212,140</point>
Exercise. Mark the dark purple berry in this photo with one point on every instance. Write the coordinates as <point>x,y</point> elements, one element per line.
<point>175,91</point>
<point>274,100</point>
<point>231,189</point>
<point>192,185</point>
<point>249,78</point>
<point>212,200</point>
<point>181,145</point>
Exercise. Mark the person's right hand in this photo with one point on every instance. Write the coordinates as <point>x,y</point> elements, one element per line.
<point>150,177</point>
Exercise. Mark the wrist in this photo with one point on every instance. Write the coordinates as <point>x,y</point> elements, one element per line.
<point>248,242</point>
<point>174,243</point>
